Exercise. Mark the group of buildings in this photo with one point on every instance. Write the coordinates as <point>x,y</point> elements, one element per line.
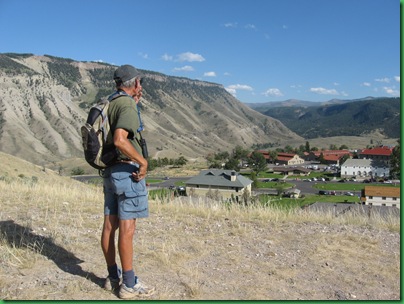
<point>368,163</point>
<point>371,164</point>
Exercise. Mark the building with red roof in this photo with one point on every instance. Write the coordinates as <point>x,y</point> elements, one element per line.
<point>381,153</point>
<point>329,156</point>
<point>283,158</point>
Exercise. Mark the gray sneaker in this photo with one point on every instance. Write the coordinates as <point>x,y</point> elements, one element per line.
<point>139,290</point>
<point>112,284</point>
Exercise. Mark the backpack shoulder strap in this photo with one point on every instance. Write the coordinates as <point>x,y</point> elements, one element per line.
<point>123,93</point>
<point>108,100</point>
<point>116,95</point>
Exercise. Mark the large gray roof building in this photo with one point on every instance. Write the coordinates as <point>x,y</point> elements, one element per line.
<point>229,183</point>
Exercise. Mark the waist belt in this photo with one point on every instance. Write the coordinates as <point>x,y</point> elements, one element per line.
<point>130,162</point>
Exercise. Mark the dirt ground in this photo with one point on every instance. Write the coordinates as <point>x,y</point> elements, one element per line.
<point>194,258</point>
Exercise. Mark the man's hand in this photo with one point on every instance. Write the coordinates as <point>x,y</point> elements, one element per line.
<point>137,176</point>
<point>122,143</point>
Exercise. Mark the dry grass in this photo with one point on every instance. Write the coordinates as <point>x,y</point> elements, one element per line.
<point>49,248</point>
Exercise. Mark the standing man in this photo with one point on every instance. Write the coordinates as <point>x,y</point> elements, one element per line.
<point>125,193</point>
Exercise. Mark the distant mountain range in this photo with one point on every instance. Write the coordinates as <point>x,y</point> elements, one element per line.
<point>263,106</point>
<point>337,117</point>
<point>44,100</point>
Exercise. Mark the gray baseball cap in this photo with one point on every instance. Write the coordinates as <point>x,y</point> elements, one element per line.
<point>126,72</point>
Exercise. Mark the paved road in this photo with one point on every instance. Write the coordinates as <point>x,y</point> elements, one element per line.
<point>307,187</point>
<point>170,182</point>
<point>84,178</point>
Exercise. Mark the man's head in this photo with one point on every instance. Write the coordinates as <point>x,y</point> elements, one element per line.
<point>129,79</point>
<point>124,73</point>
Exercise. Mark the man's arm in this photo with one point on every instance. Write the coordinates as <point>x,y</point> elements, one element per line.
<point>123,144</point>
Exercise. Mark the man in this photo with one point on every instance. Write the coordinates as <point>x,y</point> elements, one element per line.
<point>125,193</point>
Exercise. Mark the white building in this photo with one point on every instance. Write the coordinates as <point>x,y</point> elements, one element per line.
<point>381,196</point>
<point>364,168</point>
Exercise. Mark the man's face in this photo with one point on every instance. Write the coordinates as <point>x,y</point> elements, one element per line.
<point>137,90</point>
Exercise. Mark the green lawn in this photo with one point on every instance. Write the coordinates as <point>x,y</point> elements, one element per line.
<point>262,175</point>
<point>153,181</point>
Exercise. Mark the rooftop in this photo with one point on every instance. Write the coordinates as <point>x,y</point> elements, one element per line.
<point>383,150</point>
<point>382,191</point>
<point>218,177</point>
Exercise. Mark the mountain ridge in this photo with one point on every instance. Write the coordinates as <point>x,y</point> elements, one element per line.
<point>44,100</point>
<point>355,117</point>
<point>301,103</point>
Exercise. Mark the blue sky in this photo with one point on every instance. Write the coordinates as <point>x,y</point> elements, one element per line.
<point>259,50</point>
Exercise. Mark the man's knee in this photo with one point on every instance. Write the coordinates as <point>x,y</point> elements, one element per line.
<point>111,223</point>
<point>127,227</point>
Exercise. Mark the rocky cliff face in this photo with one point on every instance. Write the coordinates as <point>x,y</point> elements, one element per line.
<point>44,101</point>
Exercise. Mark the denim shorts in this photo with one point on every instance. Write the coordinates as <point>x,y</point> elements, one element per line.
<point>123,196</point>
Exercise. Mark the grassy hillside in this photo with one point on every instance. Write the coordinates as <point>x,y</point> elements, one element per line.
<point>189,250</point>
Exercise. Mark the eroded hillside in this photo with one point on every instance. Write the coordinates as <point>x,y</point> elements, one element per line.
<point>44,100</point>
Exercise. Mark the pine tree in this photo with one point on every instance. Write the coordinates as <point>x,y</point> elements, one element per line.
<point>395,162</point>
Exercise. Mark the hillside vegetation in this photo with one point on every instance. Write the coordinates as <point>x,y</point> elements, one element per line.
<point>357,118</point>
<point>188,249</point>
<point>45,101</point>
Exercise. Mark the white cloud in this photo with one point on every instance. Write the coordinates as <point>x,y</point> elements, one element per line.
<point>230,24</point>
<point>167,57</point>
<point>185,68</point>
<point>240,87</point>
<point>385,79</point>
<point>250,27</point>
<point>336,83</point>
<point>296,86</point>
<point>397,78</point>
<point>324,91</point>
<point>190,57</point>
<point>226,74</point>
<point>232,89</point>
<point>366,84</point>
<point>391,91</point>
<point>143,55</point>
<point>273,92</point>
<point>209,74</point>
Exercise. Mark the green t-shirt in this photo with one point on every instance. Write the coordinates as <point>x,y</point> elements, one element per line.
<point>123,114</point>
